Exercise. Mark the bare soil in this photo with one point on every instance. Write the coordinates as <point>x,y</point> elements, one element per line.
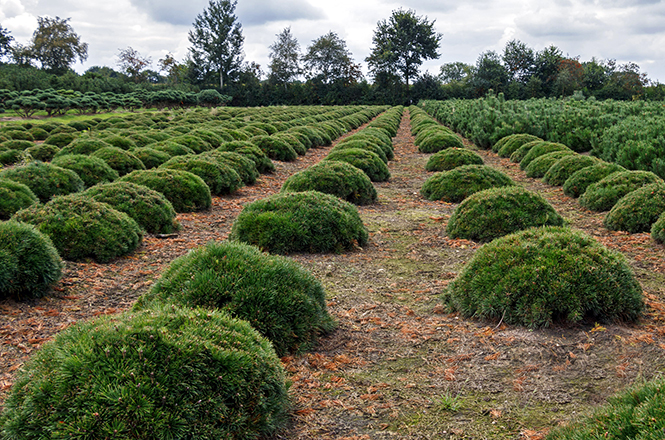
<point>397,366</point>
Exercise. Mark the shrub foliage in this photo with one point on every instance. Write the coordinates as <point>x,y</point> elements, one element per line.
<point>450,158</point>
<point>45,180</point>
<point>457,184</point>
<point>579,181</point>
<point>637,211</point>
<point>602,195</point>
<point>14,196</point>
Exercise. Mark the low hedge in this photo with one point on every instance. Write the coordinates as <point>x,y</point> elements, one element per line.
<point>45,180</point>
<point>496,212</point>
<point>638,210</point>
<point>603,195</point>
<point>300,222</point>
<point>275,148</point>
<point>542,275</point>
<point>579,181</point>
<point>565,167</point>
<point>457,184</point>
<point>513,142</point>
<point>539,150</point>
<point>340,179</point>
<point>14,196</point>
<point>367,161</point>
<point>149,208</point>
<point>186,191</point>
<point>120,160</point>
<point>279,298</point>
<point>450,158</point>
<point>82,228</point>
<point>29,263</point>
<point>541,165</point>
<point>156,374</point>
<point>220,178</point>
<point>92,170</point>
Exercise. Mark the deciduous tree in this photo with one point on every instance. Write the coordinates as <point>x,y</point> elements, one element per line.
<point>329,60</point>
<point>284,58</point>
<point>5,42</point>
<point>133,64</point>
<point>56,46</point>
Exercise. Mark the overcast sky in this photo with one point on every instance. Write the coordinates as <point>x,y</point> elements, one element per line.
<point>610,29</point>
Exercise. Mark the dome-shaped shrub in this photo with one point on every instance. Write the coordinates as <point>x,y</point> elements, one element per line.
<point>541,275</point>
<point>121,142</point>
<point>251,151</point>
<point>17,145</point>
<point>279,298</point>
<point>60,139</point>
<point>496,212</point>
<point>440,141</point>
<point>43,152</point>
<point>29,263</point>
<point>313,135</point>
<point>92,170</point>
<point>156,374</point>
<point>38,133</point>
<point>457,184</point>
<point>638,210</point>
<point>603,195</point>
<point>378,137</point>
<point>11,157</point>
<point>172,148</point>
<point>194,142</point>
<point>120,160</point>
<point>514,142</point>
<point>522,151</point>
<point>242,165</point>
<point>186,191</point>
<point>565,167</point>
<point>431,129</point>
<point>82,228</point>
<point>539,150</point>
<point>369,162</point>
<point>450,158</point>
<point>83,146</point>
<point>361,145</point>
<point>19,135</point>
<point>220,178</point>
<point>300,222</point>
<point>579,181</point>
<point>541,164</point>
<point>275,148</point>
<point>150,157</point>
<point>658,229</point>
<point>45,180</point>
<point>293,141</point>
<point>14,196</point>
<point>149,208</point>
<point>340,179</point>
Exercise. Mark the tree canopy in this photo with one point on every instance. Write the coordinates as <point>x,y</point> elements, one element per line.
<point>329,60</point>
<point>284,58</point>
<point>56,46</point>
<point>5,42</point>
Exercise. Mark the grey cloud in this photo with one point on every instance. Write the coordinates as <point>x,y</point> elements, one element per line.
<point>171,11</point>
<point>259,12</point>
<point>560,26</point>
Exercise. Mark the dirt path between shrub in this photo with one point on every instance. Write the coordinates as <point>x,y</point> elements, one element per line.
<point>397,367</point>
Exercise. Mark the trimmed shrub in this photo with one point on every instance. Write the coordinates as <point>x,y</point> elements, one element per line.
<point>513,143</point>
<point>579,181</point>
<point>522,151</point>
<point>155,374</point>
<point>172,148</point>
<point>313,135</point>
<point>450,158</point>
<point>362,145</point>
<point>542,275</point>
<point>603,195</point>
<point>539,150</point>
<point>83,146</point>
<point>186,191</point>
<point>149,208</point>
<point>566,167</point>
<point>92,170</point>
<point>194,142</point>
<point>292,140</point>
<point>638,210</point>
<point>220,178</point>
<point>242,165</point>
<point>457,184</point>
<point>11,157</point>
<point>340,179</point>
<point>300,222</point>
<point>151,158</point>
<point>121,142</point>
<point>17,145</point>
<point>496,212</point>
<point>14,196</point>
<point>370,163</point>
<point>279,298</point>
<point>377,136</point>
<point>431,129</point>
<point>261,160</point>
<point>19,135</point>
<point>39,134</point>
<point>120,160</point>
<point>440,141</point>
<point>275,148</point>
<point>60,139</point>
<point>29,263</point>
<point>658,229</point>
<point>43,152</point>
<point>636,413</point>
<point>541,164</point>
<point>45,180</point>
<point>82,228</point>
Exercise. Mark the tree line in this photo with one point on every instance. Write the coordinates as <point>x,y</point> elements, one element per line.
<point>324,73</point>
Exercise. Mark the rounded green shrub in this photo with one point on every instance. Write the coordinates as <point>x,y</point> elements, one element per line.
<point>603,195</point>
<point>638,210</point>
<point>340,179</point>
<point>172,148</point>
<point>29,263</point>
<point>450,158</point>
<point>43,152</point>
<point>431,129</point>
<point>150,157</point>
<point>378,137</point>
<point>522,151</point>
<point>19,135</point>
<point>60,139</point>
<point>542,275</point>
<point>493,213</point>
<point>565,167</point>
<point>39,134</point>
<point>92,170</point>
<point>242,165</point>
<point>120,160</point>
<point>541,164</point>
<point>17,145</point>
<point>457,184</point>
<point>658,229</point>
<point>14,196</point>
<point>440,141</point>
<point>370,163</point>
<point>45,180</point>
<point>279,298</point>
<point>220,178</point>
<point>153,374</point>
<point>83,146</point>
<point>82,228</point>
<point>362,145</point>
<point>149,208</point>
<point>261,160</point>
<point>121,142</point>
<point>539,150</point>
<point>300,222</point>
<point>194,142</point>
<point>11,157</point>
<point>580,180</point>
<point>275,148</point>
<point>186,191</point>
<point>513,143</point>
<point>293,141</point>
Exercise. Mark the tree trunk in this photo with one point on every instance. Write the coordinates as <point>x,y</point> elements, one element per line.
<point>221,80</point>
